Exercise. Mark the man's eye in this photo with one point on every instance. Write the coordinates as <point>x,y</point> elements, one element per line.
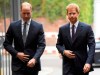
<point>70,13</point>
<point>73,13</point>
<point>26,13</point>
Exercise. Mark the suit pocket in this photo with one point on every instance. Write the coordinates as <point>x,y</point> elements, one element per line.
<point>16,64</point>
<point>79,64</point>
<point>15,67</point>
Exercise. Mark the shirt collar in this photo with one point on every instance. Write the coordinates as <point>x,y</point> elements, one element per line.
<point>76,24</point>
<point>28,22</point>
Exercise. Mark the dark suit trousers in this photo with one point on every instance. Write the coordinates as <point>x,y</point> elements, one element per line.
<point>25,71</point>
<point>75,74</point>
<point>71,73</point>
<point>82,74</point>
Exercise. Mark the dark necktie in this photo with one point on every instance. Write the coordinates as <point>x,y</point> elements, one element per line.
<point>73,31</point>
<point>24,32</point>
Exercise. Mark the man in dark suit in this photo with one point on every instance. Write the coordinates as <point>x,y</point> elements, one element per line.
<point>73,39</point>
<point>29,43</point>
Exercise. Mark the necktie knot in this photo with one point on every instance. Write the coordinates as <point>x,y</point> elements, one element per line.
<point>25,23</point>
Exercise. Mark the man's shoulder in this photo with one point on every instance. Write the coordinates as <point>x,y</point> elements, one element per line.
<point>35,23</point>
<point>84,24</point>
<point>64,26</point>
<point>15,22</point>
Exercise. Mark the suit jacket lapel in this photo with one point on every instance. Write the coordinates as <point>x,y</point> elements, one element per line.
<point>78,31</point>
<point>67,33</point>
<point>19,31</point>
<point>31,30</point>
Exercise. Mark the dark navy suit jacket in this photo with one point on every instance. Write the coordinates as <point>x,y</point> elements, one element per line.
<point>34,46</point>
<point>83,37</point>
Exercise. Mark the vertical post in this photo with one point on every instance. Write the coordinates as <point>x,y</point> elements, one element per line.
<point>15,9</point>
<point>97,18</point>
<point>4,11</point>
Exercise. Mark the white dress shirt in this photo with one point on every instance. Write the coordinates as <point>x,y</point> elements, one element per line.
<point>27,26</point>
<point>76,25</point>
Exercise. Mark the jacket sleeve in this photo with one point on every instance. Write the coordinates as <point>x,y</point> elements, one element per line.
<point>91,45</point>
<point>41,44</point>
<point>59,44</point>
<point>9,40</point>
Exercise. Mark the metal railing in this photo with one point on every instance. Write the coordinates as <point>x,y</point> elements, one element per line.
<point>14,14</point>
<point>5,59</point>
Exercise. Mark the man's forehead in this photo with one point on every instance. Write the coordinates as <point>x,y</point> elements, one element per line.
<point>26,5</point>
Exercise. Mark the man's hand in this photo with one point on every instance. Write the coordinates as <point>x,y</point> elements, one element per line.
<point>31,62</point>
<point>69,54</point>
<point>86,68</point>
<point>23,57</point>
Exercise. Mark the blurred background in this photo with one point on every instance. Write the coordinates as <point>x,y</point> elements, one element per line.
<point>52,14</point>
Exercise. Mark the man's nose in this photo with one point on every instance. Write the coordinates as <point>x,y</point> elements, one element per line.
<point>71,14</point>
<point>26,15</point>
